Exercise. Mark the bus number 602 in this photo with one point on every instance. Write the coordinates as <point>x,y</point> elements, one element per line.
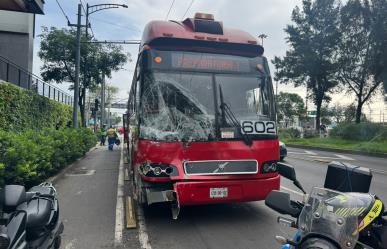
<point>258,127</point>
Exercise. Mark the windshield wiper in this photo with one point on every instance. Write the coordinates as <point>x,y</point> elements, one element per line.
<point>228,114</point>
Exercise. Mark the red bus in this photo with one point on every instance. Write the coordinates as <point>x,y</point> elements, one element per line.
<point>202,116</point>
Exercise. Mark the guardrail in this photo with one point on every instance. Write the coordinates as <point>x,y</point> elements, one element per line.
<point>12,73</point>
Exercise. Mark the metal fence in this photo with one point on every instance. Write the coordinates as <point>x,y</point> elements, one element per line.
<point>12,73</point>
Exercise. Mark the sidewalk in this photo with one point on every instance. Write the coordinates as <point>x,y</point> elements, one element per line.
<point>87,198</point>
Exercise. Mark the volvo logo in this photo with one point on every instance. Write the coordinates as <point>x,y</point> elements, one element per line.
<point>220,167</point>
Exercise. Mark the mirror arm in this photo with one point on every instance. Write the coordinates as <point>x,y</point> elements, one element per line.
<point>298,185</point>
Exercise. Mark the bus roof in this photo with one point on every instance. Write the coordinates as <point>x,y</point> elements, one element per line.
<point>202,28</point>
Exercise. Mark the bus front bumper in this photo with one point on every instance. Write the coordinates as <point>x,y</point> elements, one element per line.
<point>198,193</point>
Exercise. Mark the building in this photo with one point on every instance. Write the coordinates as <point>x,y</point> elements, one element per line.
<point>17,33</point>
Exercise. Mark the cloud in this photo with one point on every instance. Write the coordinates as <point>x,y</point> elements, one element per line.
<point>255,16</point>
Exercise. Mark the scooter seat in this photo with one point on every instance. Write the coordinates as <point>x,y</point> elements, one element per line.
<point>38,213</point>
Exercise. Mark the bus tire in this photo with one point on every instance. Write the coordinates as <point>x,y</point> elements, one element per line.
<point>139,191</point>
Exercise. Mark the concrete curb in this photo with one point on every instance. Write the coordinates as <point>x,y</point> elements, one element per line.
<point>54,179</point>
<point>352,152</point>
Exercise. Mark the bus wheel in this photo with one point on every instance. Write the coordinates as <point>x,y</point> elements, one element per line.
<point>138,189</point>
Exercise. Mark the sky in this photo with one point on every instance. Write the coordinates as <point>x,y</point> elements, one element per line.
<point>268,17</point>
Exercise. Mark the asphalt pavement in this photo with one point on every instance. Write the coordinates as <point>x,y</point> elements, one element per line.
<point>247,225</point>
<point>88,198</point>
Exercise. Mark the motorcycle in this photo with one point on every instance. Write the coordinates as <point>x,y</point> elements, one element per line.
<point>329,219</point>
<point>29,219</point>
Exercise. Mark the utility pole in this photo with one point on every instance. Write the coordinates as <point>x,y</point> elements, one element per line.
<point>103,100</point>
<point>77,65</point>
<point>90,9</point>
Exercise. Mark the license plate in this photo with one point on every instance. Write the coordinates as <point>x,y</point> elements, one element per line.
<point>218,192</point>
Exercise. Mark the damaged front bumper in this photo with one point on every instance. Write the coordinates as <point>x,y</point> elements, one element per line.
<point>198,192</point>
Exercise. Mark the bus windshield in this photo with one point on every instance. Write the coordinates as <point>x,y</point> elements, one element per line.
<point>186,106</point>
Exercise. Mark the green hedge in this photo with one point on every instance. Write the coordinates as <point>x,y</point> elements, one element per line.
<point>360,132</point>
<point>32,156</point>
<point>22,110</point>
<point>289,133</point>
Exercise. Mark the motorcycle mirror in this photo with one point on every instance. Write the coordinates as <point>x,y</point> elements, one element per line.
<point>280,202</point>
<point>287,171</point>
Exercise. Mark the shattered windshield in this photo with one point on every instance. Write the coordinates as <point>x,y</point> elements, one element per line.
<point>246,96</point>
<point>177,107</point>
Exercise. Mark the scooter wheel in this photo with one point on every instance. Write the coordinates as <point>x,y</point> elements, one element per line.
<point>58,242</point>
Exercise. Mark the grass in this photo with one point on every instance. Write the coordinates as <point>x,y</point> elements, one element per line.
<point>337,143</point>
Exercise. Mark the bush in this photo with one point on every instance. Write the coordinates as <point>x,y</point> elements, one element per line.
<point>360,132</point>
<point>30,157</point>
<point>289,133</point>
<point>22,110</point>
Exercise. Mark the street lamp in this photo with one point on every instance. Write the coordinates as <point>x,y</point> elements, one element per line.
<point>90,9</point>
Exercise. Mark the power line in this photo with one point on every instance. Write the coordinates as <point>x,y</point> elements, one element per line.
<point>114,24</point>
<point>189,6</point>
<point>169,11</point>
<point>63,12</point>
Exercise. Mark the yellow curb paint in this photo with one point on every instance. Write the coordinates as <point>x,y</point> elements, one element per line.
<point>130,217</point>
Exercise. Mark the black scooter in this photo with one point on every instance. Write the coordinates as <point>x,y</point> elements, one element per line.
<point>29,219</point>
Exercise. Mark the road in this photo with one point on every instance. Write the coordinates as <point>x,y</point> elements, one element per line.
<point>88,200</point>
<point>247,225</point>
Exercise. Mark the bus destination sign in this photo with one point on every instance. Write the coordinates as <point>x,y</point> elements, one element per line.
<point>210,62</point>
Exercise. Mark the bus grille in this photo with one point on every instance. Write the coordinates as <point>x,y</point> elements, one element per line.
<point>221,167</point>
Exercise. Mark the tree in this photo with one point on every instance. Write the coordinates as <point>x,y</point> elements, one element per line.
<point>355,53</point>
<point>378,39</point>
<point>57,51</point>
<point>337,112</point>
<point>310,61</point>
<point>289,106</point>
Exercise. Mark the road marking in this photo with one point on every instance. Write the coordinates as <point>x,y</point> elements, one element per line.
<point>142,231</point>
<point>306,152</point>
<point>120,202</point>
<point>292,191</point>
<point>130,217</point>
<point>339,157</point>
<point>345,157</point>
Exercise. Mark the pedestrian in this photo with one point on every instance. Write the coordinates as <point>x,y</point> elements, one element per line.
<point>103,136</point>
<point>112,136</point>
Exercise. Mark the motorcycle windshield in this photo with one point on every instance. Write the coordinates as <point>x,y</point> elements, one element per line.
<point>333,215</point>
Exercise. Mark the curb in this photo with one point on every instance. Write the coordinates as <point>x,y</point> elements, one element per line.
<point>54,179</point>
<point>352,152</point>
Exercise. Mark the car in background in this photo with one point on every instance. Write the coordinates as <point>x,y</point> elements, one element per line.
<point>283,151</point>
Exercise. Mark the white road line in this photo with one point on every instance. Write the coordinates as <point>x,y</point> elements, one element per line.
<point>345,157</point>
<point>306,152</point>
<point>292,191</point>
<point>334,158</point>
<point>120,202</point>
<point>142,231</point>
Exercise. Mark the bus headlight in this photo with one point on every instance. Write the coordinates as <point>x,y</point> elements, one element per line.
<point>158,170</point>
<point>269,167</point>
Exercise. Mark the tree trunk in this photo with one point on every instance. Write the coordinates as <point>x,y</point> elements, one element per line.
<point>318,112</point>
<point>358,111</point>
